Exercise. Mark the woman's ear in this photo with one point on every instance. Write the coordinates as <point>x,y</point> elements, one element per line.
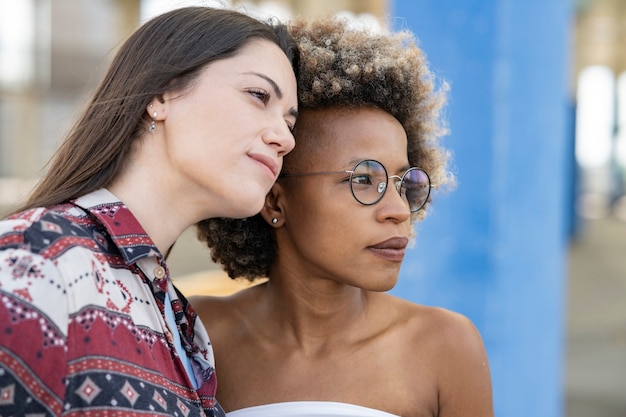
<point>273,211</point>
<point>157,110</point>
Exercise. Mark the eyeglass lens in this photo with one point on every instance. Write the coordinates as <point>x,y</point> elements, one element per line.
<point>369,182</point>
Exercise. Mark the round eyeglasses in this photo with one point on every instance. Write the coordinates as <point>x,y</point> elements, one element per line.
<point>369,181</point>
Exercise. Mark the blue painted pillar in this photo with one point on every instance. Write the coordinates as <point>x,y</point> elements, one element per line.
<point>495,248</point>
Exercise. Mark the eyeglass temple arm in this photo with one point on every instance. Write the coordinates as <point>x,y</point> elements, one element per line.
<point>315,173</point>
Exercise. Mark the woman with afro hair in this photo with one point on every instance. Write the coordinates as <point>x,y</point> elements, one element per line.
<point>320,336</point>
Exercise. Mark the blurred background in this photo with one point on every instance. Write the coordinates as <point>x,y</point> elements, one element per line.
<point>532,244</point>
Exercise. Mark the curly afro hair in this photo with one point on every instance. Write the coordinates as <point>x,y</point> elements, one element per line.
<point>345,67</point>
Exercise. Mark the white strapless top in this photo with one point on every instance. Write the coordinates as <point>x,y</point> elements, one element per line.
<point>308,409</point>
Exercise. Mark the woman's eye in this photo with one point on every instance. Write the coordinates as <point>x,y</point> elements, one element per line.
<point>362,179</point>
<point>262,95</point>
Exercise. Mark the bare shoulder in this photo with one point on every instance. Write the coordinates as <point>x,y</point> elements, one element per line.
<point>452,330</point>
<point>444,327</point>
<point>219,313</point>
<point>207,305</point>
<point>448,345</point>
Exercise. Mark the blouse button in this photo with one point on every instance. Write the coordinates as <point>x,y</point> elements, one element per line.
<point>159,272</point>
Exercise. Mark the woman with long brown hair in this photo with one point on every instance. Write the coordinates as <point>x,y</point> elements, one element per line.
<point>191,121</point>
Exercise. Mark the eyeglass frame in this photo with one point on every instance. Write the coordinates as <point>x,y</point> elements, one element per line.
<point>397,183</point>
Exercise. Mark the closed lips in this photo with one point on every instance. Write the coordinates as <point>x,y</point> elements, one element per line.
<point>268,161</point>
<point>397,243</point>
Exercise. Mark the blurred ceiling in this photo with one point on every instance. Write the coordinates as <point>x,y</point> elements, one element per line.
<point>600,34</point>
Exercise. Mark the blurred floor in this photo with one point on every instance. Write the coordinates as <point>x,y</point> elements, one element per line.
<point>596,340</point>
<point>595,382</point>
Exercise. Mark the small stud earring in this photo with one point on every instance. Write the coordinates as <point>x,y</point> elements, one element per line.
<point>274,220</point>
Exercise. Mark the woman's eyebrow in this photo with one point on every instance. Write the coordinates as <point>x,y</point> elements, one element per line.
<point>277,90</point>
<point>275,87</point>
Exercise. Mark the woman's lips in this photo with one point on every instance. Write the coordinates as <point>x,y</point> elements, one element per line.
<point>392,249</point>
<point>269,162</point>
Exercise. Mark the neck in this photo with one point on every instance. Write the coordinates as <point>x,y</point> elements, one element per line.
<point>146,188</point>
<point>164,202</point>
<point>315,314</point>
<point>156,215</point>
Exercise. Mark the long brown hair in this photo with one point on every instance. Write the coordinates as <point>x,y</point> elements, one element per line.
<point>166,53</point>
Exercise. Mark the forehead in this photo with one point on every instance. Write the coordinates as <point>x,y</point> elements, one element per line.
<point>256,46</point>
<point>340,136</point>
<point>256,55</point>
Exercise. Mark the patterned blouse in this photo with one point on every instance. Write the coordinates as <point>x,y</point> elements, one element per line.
<point>82,324</point>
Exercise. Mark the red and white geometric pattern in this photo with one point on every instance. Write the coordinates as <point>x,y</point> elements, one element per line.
<point>82,318</point>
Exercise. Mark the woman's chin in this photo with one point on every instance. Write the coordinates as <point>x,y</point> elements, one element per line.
<point>245,208</point>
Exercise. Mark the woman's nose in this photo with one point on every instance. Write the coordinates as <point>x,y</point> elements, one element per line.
<point>394,205</point>
<point>281,137</point>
